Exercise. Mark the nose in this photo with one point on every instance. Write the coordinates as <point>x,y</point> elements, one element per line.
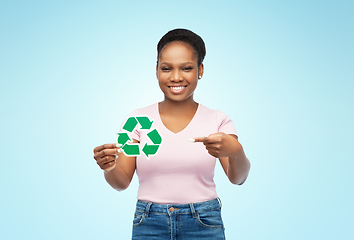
<point>176,76</point>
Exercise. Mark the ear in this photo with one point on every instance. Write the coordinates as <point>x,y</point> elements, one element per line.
<point>200,70</point>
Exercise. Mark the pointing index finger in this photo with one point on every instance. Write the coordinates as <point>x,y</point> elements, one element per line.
<point>198,139</point>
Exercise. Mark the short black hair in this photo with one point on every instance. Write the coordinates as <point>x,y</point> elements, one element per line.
<point>186,36</point>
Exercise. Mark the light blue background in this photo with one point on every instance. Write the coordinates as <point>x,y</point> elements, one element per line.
<point>71,71</point>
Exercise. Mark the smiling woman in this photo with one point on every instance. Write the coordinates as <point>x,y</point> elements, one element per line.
<point>177,71</point>
<point>177,197</point>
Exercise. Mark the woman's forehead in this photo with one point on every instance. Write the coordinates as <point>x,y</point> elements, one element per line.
<point>178,50</point>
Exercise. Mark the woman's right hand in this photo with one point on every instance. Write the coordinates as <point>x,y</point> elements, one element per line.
<point>106,156</point>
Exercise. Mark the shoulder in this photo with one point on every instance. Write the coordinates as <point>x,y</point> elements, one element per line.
<point>216,114</point>
<point>218,118</point>
<point>144,110</point>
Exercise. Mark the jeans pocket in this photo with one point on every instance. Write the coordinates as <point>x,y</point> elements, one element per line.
<point>138,219</point>
<point>210,219</point>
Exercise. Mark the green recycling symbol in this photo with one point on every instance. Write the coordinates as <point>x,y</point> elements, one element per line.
<point>132,149</point>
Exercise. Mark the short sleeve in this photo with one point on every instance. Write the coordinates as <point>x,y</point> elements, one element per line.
<point>136,133</point>
<point>225,124</point>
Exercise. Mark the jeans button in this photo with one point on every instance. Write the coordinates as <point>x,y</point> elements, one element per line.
<point>172,209</point>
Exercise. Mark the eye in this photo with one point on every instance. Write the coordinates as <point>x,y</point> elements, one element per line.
<point>165,69</point>
<point>187,69</point>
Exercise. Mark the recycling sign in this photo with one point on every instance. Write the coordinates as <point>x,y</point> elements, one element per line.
<point>133,149</point>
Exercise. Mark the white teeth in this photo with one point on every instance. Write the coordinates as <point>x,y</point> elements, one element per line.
<point>177,88</point>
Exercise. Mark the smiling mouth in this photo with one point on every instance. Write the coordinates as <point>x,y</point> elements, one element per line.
<point>177,89</point>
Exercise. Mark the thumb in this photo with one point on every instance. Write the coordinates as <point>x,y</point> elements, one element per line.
<point>198,139</point>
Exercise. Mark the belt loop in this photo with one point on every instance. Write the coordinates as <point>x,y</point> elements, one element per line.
<point>219,201</point>
<point>194,214</point>
<point>147,209</point>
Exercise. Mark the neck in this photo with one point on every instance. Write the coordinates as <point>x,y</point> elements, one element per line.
<point>173,107</point>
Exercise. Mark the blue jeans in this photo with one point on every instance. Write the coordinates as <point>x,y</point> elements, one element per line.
<point>178,221</point>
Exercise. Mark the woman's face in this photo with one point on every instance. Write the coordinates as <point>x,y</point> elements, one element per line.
<point>177,71</point>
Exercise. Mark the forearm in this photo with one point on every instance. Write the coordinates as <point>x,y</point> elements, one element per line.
<point>238,168</point>
<point>117,178</point>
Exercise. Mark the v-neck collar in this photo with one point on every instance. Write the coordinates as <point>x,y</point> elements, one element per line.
<point>184,129</point>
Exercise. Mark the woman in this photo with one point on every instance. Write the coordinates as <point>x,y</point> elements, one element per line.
<point>176,196</point>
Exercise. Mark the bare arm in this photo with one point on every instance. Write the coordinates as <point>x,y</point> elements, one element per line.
<point>118,171</point>
<point>231,155</point>
<point>236,168</point>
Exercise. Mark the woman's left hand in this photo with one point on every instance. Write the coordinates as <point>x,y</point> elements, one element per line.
<point>221,145</point>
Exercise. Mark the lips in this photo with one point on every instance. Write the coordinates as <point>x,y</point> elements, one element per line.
<point>177,89</point>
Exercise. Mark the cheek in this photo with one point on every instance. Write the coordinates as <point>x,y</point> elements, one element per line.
<point>192,76</point>
<point>162,84</point>
<point>192,79</point>
<point>161,79</point>
<point>161,76</point>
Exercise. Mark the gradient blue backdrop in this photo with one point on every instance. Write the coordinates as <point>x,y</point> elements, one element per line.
<point>71,71</point>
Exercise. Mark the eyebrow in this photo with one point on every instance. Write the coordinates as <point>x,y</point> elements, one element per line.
<point>182,63</point>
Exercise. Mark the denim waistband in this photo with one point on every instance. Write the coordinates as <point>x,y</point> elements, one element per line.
<point>149,207</point>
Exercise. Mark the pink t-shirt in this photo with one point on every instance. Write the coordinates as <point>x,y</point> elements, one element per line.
<point>181,171</point>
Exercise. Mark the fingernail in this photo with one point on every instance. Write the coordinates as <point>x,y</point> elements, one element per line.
<point>118,145</point>
<point>119,150</point>
<point>191,140</point>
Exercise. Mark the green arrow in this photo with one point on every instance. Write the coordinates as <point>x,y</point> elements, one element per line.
<point>123,138</point>
<point>130,124</point>
<point>144,122</point>
<point>131,149</point>
<point>155,136</point>
<point>150,149</point>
